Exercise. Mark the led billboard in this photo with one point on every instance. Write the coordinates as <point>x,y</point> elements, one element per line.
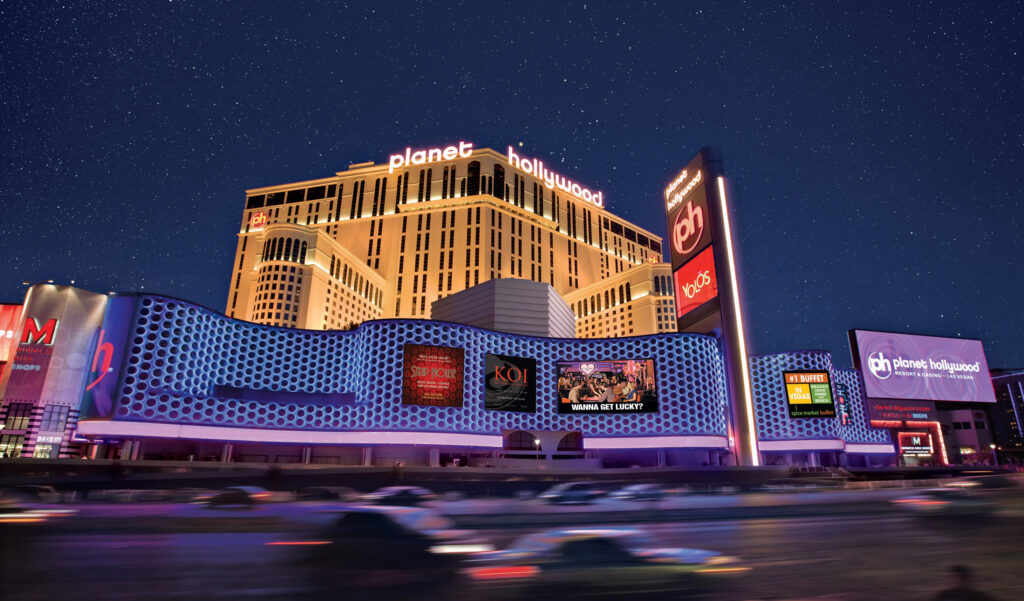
<point>896,410</point>
<point>695,283</point>
<point>9,317</point>
<point>809,394</point>
<point>686,210</point>
<point>926,368</point>
<point>432,375</point>
<point>916,444</point>
<point>510,384</point>
<point>621,386</point>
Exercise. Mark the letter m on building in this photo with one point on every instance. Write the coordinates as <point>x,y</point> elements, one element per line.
<point>36,334</point>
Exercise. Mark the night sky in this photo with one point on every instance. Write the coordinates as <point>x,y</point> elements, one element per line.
<point>875,150</point>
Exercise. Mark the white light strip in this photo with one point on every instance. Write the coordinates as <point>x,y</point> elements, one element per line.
<point>657,442</point>
<point>870,448</point>
<point>740,330</point>
<point>146,429</point>
<point>803,445</point>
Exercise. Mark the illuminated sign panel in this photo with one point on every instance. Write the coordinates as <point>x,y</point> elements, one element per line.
<point>896,410</point>
<point>621,386</point>
<point>432,375</point>
<point>37,332</point>
<point>510,384</point>
<point>926,368</point>
<point>695,283</point>
<point>105,364</point>
<point>809,394</point>
<point>686,206</point>
<point>429,155</point>
<point>9,317</point>
<point>552,180</point>
<point>258,220</point>
<point>916,444</point>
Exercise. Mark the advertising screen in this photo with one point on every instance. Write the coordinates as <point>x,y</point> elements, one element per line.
<point>809,394</point>
<point>625,386</point>
<point>9,317</point>
<point>926,368</point>
<point>695,282</point>
<point>510,384</point>
<point>916,444</point>
<point>894,410</point>
<point>105,363</point>
<point>432,375</point>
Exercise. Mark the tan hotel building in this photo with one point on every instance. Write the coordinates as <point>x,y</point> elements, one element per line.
<point>384,241</point>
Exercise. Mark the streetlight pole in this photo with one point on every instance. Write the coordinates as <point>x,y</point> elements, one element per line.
<point>536,444</point>
<point>995,460</point>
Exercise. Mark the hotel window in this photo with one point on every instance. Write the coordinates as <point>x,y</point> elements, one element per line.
<point>499,179</point>
<point>18,415</point>
<point>473,181</point>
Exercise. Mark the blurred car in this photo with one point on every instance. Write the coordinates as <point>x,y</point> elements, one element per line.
<point>610,562</point>
<point>399,495</point>
<point>984,482</point>
<point>570,493</point>
<point>946,502</point>
<point>233,497</point>
<point>642,492</point>
<point>328,493</point>
<point>14,511</point>
<point>35,493</point>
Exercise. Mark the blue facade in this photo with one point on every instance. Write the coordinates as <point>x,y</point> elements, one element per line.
<point>178,352</point>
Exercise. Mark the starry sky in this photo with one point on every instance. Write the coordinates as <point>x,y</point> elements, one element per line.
<point>875,149</point>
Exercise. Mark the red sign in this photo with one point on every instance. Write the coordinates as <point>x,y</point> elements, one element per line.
<point>695,282</point>
<point>257,220</point>
<point>9,317</point>
<point>432,375</point>
<point>34,333</point>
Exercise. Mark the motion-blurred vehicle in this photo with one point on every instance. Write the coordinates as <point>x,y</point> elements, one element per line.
<point>328,493</point>
<point>15,511</point>
<point>575,493</point>
<point>399,495</point>
<point>643,492</point>
<point>233,497</point>
<point>946,502</point>
<point>35,493</point>
<point>610,562</point>
<point>985,482</point>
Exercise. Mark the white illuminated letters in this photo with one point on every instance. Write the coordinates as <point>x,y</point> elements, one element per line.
<point>431,155</point>
<point>552,180</point>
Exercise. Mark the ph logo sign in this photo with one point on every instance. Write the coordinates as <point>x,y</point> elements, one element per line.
<point>879,366</point>
<point>687,230</point>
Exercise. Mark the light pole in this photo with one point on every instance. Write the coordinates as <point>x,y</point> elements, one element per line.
<point>995,460</point>
<point>536,444</point>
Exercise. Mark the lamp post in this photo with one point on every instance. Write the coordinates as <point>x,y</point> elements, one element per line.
<point>536,444</point>
<point>995,460</point>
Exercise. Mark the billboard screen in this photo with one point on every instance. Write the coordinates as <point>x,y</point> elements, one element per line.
<point>895,410</point>
<point>809,394</point>
<point>510,384</point>
<point>105,364</point>
<point>925,368</point>
<point>695,282</point>
<point>432,375</point>
<point>9,317</point>
<point>620,386</point>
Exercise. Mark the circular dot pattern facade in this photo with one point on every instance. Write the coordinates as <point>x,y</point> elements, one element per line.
<point>177,352</point>
<point>771,406</point>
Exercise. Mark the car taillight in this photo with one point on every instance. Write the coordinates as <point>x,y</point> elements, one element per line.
<point>503,573</point>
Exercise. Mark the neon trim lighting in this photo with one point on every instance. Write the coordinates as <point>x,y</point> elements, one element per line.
<point>656,442</point>
<point>741,335</point>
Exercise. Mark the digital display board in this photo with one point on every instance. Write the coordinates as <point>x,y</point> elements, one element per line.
<point>916,444</point>
<point>619,386</point>
<point>686,208</point>
<point>9,335</point>
<point>510,384</point>
<point>695,282</point>
<point>926,368</point>
<point>432,375</point>
<point>896,410</point>
<point>809,394</point>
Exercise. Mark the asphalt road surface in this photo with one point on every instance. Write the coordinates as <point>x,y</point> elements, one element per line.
<point>890,556</point>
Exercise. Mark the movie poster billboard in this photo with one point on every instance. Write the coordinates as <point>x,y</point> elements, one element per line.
<point>608,386</point>
<point>809,394</point>
<point>432,375</point>
<point>924,368</point>
<point>510,384</point>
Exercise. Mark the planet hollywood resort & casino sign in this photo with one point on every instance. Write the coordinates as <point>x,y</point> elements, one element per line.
<point>533,167</point>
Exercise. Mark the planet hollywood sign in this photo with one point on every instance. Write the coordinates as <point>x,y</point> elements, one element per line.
<point>534,167</point>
